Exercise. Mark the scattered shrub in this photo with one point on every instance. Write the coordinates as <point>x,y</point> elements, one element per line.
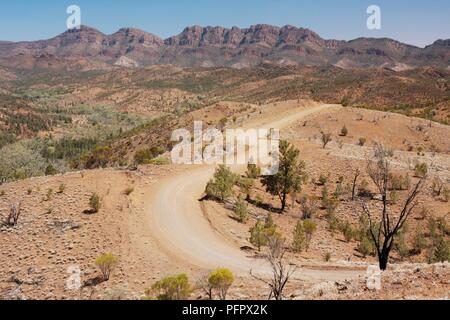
<point>95,203</point>
<point>128,191</point>
<point>261,232</point>
<point>419,243</point>
<point>160,161</point>
<point>437,187</point>
<point>399,182</point>
<point>144,156</point>
<point>362,141</point>
<point>440,251</point>
<point>323,179</point>
<point>347,231</point>
<point>221,186</point>
<point>309,207</point>
<point>421,170</point>
<point>172,288</point>
<point>333,223</point>
<point>221,280</point>
<point>253,171</point>
<point>299,237</point>
<point>344,131</point>
<point>107,263</point>
<point>48,195</point>
<point>257,235</point>
<point>446,194</point>
<point>241,210</point>
<point>365,246</point>
<point>401,246</point>
<point>310,228</point>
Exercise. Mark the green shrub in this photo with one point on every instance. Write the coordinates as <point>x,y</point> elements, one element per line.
<point>310,228</point>
<point>48,195</point>
<point>446,194</point>
<point>241,210</point>
<point>345,101</point>
<point>246,185</point>
<point>95,203</point>
<point>107,263</point>
<point>309,207</point>
<point>421,170</point>
<point>100,157</point>
<point>401,246</point>
<point>299,237</point>
<point>172,288</point>
<point>440,251</point>
<point>253,171</point>
<point>420,243</point>
<point>362,141</point>
<point>347,231</point>
<point>221,186</point>
<point>50,170</point>
<point>399,182</point>
<point>366,246</point>
<point>344,131</point>
<point>17,162</point>
<point>160,161</point>
<point>261,232</point>
<point>221,280</point>
<point>128,191</point>
<point>144,156</point>
<point>333,223</point>
<point>257,235</point>
<point>323,179</point>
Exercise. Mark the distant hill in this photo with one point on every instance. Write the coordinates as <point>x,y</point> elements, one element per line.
<point>197,46</point>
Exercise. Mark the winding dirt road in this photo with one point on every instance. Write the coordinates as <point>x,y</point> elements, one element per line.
<point>178,223</point>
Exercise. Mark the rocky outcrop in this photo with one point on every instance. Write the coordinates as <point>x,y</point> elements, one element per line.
<point>218,46</point>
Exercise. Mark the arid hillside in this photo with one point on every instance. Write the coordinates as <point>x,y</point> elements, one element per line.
<point>61,226</point>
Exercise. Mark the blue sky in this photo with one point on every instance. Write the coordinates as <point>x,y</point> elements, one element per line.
<point>415,22</point>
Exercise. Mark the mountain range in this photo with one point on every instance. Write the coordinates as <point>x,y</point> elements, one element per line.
<point>196,46</point>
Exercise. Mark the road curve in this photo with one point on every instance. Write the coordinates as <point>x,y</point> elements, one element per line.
<point>177,221</point>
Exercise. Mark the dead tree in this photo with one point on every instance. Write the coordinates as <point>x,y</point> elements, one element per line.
<point>14,214</point>
<point>281,271</point>
<point>385,229</point>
